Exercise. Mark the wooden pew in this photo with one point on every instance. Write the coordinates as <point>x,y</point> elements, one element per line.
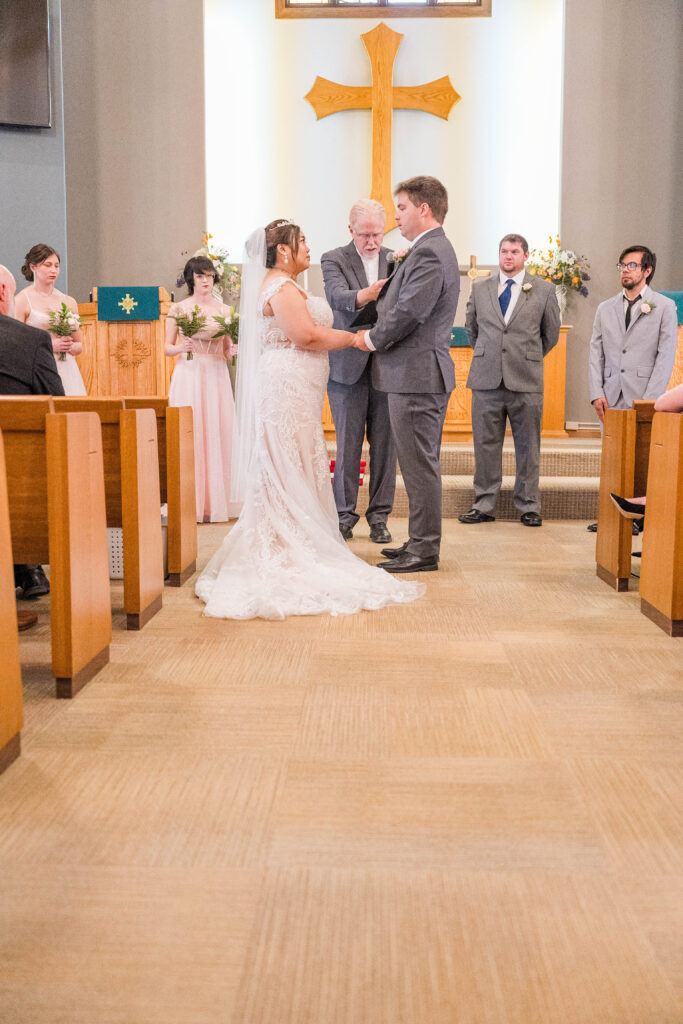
<point>661,573</point>
<point>176,477</point>
<point>131,477</point>
<point>55,486</point>
<point>625,454</point>
<point>11,706</point>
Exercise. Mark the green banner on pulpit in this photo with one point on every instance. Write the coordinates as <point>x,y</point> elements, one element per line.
<point>127,303</point>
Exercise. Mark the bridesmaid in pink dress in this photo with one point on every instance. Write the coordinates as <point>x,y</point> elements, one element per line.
<point>33,304</point>
<point>203,382</point>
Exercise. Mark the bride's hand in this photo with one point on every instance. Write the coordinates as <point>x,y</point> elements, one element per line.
<point>359,341</point>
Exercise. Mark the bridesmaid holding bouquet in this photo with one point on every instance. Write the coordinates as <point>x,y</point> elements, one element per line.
<point>42,305</point>
<point>196,333</point>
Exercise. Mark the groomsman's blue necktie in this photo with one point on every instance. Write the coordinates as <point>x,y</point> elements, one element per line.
<point>504,297</point>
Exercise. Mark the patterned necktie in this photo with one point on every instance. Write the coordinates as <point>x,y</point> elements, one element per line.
<point>631,304</point>
<point>504,297</point>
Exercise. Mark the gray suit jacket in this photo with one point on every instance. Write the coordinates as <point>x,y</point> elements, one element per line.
<point>344,276</point>
<point>638,361</point>
<point>511,354</point>
<point>412,336</point>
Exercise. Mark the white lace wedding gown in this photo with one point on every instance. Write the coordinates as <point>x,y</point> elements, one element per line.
<point>285,555</point>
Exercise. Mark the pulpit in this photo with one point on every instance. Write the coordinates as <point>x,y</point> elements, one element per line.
<point>126,356</point>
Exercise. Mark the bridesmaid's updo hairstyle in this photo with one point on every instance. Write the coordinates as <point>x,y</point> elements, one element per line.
<point>38,254</point>
<point>198,265</point>
<point>281,232</point>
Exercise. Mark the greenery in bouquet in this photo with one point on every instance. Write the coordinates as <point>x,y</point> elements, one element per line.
<point>562,267</point>
<point>229,275</point>
<point>228,327</point>
<point>63,322</point>
<point>189,325</point>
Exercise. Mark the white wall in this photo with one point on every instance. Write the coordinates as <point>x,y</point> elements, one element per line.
<point>498,154</point>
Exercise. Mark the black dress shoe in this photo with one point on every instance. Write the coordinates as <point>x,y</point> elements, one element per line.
<point>410,563</point>
<point>592,527</point>
<point>34,582</point>
<point>379,533</point>
<point>629,509</point>
<point>346,532</point>
<point>394,552</point>
<point>475,516</point>
<point>530,519</point>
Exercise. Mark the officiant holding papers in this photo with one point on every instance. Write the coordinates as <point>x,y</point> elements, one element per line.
<point>353,276</point>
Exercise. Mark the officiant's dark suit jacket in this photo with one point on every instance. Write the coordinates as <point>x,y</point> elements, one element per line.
<point>356,407</point>
<point>27,362</point>
<point>412,362</point>
<point>344,276</point>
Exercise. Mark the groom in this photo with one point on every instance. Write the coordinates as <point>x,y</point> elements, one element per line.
<point>415,314</point>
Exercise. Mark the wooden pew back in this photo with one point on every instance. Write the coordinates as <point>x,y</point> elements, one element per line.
<point>11,705</point>
<point>22,419</point>
<point>109,411</point>
<point>625,452</point>
<point>176,455</point>
<point>661,577</point>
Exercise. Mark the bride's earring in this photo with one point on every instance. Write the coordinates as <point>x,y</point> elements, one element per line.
<point>285,258</point>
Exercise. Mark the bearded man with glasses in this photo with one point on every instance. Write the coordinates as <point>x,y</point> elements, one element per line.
<point>354,275</point>
<point>633,346</point>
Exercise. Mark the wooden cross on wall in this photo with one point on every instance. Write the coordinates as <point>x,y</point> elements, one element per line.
<point>382,98</point>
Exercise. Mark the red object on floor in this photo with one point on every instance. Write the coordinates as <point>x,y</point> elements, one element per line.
<point>362,470</point>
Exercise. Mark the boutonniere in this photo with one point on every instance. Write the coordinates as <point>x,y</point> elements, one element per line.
<point>397,256</point>
<point>647,307</point>
<point>526,288</point>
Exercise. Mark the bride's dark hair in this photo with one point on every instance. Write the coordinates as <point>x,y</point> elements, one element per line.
<point>281,232</point>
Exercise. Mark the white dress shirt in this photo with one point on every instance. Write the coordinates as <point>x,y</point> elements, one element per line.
<point>371,264</point>
<point>634,307</point>
<point>368,340</point>
<point>514,291</point>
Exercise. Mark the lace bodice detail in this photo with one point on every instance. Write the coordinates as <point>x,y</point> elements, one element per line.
<point>317,307</point>
<point>203,342</point>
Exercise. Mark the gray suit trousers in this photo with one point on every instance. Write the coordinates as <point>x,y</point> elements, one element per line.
<point>356,408</point>
<point>490,409</point>
<point>417,425</point>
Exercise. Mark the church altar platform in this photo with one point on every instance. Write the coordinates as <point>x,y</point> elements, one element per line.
<point>569,480</point>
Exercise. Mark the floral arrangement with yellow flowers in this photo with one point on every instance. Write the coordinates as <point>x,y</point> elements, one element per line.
<point>229,275</point>
<point>562,267</point>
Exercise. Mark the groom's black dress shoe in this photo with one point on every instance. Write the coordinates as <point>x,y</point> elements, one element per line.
<point>379,533</point>
<point>475,516</point>
<point>406,562</point>
<point>394,552</point>
<point>34,582</point>
<point>530,519</point>
<point>346,532</point>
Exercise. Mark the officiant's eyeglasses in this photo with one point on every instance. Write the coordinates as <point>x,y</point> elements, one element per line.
<point>628,266</point>
<point>367,237</point>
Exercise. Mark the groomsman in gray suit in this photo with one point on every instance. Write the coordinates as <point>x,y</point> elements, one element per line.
<point>633,346</point>
<point>353,276</point>
<point>513,321</point>
<point>412,336</point>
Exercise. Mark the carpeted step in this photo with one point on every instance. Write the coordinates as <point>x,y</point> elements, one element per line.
<point>561,497</point>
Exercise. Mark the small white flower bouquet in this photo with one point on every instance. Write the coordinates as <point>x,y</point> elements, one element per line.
<point>63,322</point>
<point>189,325</point>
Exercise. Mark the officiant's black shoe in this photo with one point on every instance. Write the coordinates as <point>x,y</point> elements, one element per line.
<point>406,562</point>
<point>475,516</point>
<point>394,552</point>
<point>346,532</point>
<point>379,533</point>
<point>530,519</point>
<point>34,582</point>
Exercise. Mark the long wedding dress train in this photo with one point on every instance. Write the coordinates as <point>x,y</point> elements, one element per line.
<point>285,555</point>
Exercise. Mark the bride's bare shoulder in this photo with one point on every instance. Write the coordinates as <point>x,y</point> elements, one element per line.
<point>272,286</point>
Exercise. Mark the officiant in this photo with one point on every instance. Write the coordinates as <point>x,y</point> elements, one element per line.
<point>353,275</point>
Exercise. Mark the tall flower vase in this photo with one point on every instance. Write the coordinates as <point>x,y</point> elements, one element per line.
<point>561,292</point>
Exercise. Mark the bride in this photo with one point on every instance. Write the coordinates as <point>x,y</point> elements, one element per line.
<point>285,555</point>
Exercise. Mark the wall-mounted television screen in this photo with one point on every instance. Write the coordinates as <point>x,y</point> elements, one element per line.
<point>24,63</point>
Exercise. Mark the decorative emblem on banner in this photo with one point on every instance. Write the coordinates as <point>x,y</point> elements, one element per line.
<point>382,98</point>
<point>127,303</point>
